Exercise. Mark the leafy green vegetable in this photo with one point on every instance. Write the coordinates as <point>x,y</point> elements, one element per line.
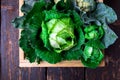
<point>76,52</point>
<point>52,14</point>
<point>109,37</point>
<point>92,57</point>
<point>57,31</point>
<point>24,44</point>
<point>73,55</point>
<point>27,6</point>
<point>96,44</point>
<point>48,31</point>
<point>93,32</point>
<point>48,56</point>
<point>102,16</point>
<point>61,34</point>
<point>65,4</point>
<point>18,22</point>
<point>105,14</point>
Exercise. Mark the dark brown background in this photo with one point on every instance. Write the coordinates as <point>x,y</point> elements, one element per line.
<point>9,53</point>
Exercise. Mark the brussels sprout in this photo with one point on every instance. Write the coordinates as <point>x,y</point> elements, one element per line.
<point>93,32</point>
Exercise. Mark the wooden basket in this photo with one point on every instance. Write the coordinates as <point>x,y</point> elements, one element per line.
<point>25,63</point>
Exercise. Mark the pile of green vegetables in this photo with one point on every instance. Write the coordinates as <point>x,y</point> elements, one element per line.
<point>65,30</point>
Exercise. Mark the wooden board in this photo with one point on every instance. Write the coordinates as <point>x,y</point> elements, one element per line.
<point>25,63</point>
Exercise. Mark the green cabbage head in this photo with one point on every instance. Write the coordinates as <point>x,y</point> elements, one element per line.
<point>61,34</point>
<point>93,32</point>
<point>92,56</point>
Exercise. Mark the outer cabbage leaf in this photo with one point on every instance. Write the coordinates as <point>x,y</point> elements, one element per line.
<point>18,22</point>
<point>52,14</point>
<point>109,36</point>
<point>45,36</point>
<point>48,56</point>
<point>64,5</point>
<point>76,19</point>
<point>25,45</point>
<point>27,6</point>
<point>92,57</point>
<point>96,43</point>
<point>105,14</point>
<point>73,55</point>
<point>35,13</point>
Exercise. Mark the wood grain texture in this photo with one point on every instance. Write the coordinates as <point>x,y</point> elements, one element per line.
<point>112,69</point>
<point>65,74</point>
<point>10,69</point>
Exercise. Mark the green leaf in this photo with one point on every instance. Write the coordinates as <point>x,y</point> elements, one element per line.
<point>25,45</point>
<point>88,50</point>
<point>33,15</point>
<point>70,4</point>
<point>101,15</point>
<point>73,55</point>
<point>93,32</point>
<point>27,6</point>
<point>36,19</point>
<point>77,19</point>
<point>48,56</point>
<point>18,22</point>
<point>105,14</point>
<point>32,33</point>
<point>52,14</point>
<point>29,40</point>
<point>96,44</point>
<point>45,36</point>
<point>60,6</point>
<point>80,38</point>
<point>109,36</point>
<point>92,59</point>
<point>36,10</point>
<point>75,52</point>
<point>65,5</point>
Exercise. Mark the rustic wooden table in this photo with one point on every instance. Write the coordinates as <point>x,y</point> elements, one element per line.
<point>9,57</point>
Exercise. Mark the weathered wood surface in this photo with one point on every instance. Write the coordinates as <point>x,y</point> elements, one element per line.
<point>65,74</point>
<point>10,69</point>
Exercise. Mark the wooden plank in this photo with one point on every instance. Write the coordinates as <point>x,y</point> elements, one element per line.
<point>65,74</point>
<point>21,53</point>
<point>8,43</point>
<point>10,69</point>
<point>32,74</point>
<point>25,63</point>
<point>112,69</point>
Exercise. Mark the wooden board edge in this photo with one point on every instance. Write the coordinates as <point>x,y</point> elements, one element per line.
<point>25,63</point>
<point>74,63</point>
